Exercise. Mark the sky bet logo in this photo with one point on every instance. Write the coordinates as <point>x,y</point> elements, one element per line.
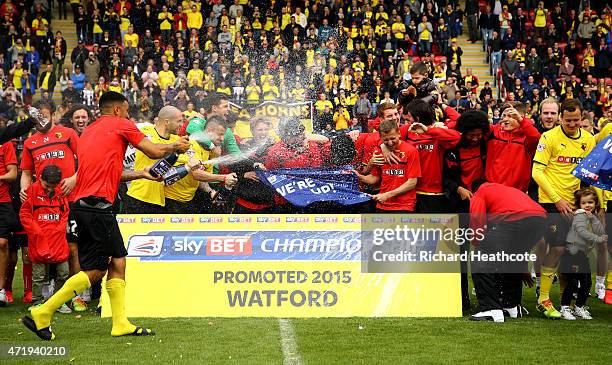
<point>213,245</point>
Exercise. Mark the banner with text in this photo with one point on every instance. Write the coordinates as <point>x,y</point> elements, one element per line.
<point>272,110</point>
<point>302,187</point>
<point>268,266</point>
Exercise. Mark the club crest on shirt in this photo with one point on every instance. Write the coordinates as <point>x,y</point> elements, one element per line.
<point>58,135</point>
<point>584,146</point>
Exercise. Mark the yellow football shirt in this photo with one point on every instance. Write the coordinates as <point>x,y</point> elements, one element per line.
<point>143,189</point>
<point>560,154</point>
<point>185,189</point>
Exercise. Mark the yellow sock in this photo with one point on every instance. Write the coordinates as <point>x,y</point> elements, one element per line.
<point>546,280</point>
<point>609,279</point>
<point>116,292</point>
<point>73,286</point>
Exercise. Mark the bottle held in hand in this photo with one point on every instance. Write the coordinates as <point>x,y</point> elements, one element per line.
<point>163,165</point>
<point>175,174</point>
<point>37,116</point>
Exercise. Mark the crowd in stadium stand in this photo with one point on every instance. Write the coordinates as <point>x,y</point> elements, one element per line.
<point>379,73</point>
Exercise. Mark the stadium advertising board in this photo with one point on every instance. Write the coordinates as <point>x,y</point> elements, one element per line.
<point>268,266</point>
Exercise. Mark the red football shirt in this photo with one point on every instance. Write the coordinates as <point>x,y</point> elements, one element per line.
<point>471,165</point>
<point>431,147</point>
<point>58,146</point>
<point>7,157</point>
<point>101,150</point>
<point>394,175</point>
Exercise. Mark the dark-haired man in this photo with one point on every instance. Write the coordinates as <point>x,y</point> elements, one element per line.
<point>557,154</point>
<point>101,247</point>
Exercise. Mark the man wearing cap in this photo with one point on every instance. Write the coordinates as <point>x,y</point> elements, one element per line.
<point>522,73</point>
<point>79,54</point>
<point>92,68</point>
<point>454,53</point>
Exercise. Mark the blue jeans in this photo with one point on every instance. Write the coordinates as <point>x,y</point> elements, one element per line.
<point>425,47</point>
<point>486,35</point>
<point>495,62</point>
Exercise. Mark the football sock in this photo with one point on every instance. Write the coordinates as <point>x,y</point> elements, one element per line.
<point>562,284</point>
<point>546,280</point>
<point>116,292</point>
<point>27,277</point>
<point>76,284</point>
<point>609,279</point>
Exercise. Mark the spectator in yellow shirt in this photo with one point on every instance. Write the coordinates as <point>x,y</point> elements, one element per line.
<point>165,19</point>
<point>195,75</point>
<point>194,18</point>
<point>131,36</point>
<point>342,119</point>
<point>322,103</point>
<point>165,77</point>
<point>253,92</point>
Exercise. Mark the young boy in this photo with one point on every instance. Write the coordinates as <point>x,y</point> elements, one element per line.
<point>44,215</point>
<point>397,180</point>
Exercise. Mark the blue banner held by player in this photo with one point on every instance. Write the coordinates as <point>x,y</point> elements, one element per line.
<point>302,187</point>
<point>596,168</point>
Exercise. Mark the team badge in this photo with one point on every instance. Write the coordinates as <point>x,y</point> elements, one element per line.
<point>58,135</point>
<point>583,147</point>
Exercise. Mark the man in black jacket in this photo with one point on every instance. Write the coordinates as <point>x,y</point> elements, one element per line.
<point>486,22</point>
<point>46,81</point>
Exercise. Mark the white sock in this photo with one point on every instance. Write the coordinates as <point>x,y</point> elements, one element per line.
<point>599,280</point>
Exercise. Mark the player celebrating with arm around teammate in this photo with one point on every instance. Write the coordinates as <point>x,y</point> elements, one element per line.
<point>100,245</point>
<point>397,180</point>
<point>557,154</point>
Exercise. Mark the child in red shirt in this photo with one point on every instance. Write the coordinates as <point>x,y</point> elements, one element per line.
<point>397,180</point>
<point>44,216</point>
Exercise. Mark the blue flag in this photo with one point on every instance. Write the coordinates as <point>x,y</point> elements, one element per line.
<point>596,168</point>
<point>302,187</point>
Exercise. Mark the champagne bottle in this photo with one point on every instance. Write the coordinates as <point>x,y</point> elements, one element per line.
<point>37,116</point>
<point>175,174</point>
<point>163,165</point>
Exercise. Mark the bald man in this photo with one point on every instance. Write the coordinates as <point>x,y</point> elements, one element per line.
<point>146,196</point>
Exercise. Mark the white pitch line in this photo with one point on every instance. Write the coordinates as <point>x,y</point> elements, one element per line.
<point>291,356</point>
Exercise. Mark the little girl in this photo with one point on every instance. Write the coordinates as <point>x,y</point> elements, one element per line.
<point>586,231</point>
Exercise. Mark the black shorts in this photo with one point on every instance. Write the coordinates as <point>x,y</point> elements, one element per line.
<point>71,229</point>
<point>98,235</point>
<point>135,206</point>
<point>558,226</point>
<point>431,204</point>
<point>8,220</point>
<point>177,207</point>
<point>17,241</point>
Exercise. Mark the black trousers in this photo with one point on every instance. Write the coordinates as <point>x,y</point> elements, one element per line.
<point>576,269</point>
<point>499,284</point>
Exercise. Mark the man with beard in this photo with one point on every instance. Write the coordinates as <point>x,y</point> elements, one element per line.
<point>77,118</point>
